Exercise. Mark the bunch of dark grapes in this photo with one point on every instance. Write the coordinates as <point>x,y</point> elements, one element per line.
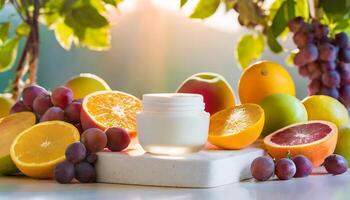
<point>324,60</point>
<point>58,105</point>
<point>81,156</point>
<point>264,167</point>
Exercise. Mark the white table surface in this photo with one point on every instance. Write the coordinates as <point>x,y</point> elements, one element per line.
<point>316,187</point>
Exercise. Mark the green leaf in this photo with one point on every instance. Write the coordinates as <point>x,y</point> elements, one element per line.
<point>4,31</point>
<point>88,16</point>
<point>8,53</point>
<point>52,12</point>
<point>205,8</point>
<point>2,3</point>
<point>23,29</point>
<point>335,9</point>
<point>113,2</point>
<point>249,48</point>
<point>302,9</point>
<point>229,4</point>
<point>290,57</point>
<point>64,35</point>
<point>249,13</point>
<point>182,3</point>
<point>273,43</point>
<point>96,39</point>
<point>274,8</point>
<point>283,15</point>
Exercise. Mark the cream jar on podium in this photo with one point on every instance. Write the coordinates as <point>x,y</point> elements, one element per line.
<point>172,123</point>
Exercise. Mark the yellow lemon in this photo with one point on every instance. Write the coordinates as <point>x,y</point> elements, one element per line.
<point>321,107</point>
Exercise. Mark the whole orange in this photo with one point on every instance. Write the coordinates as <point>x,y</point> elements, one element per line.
<point>263,79</point>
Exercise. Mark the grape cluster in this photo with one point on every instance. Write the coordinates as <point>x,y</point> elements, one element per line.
<point>81,156</point>
<point>324,60</point>
<point>264,167</point>
<point>48,107</point>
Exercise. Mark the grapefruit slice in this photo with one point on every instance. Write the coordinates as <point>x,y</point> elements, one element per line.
<point>236,127</point>
<point>313,139</point>
<point>106,109</point>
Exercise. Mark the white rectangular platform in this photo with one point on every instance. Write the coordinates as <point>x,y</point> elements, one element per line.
<point>208,168</point>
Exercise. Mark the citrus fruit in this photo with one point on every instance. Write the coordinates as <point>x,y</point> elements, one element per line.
<point>282,110</point>
<point>214,88</point>
<point>6,103</point>
<point>263,79</point>
<point>321,107</point>
<point>314,139</point>
<point>85,84</point>
<point>37,150</point>
<point>106,109</point>
<point>10,127</point>
<point>236,127</point>
<point>343,144</point>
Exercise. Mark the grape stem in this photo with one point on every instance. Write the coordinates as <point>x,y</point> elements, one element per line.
<point>28,61</point>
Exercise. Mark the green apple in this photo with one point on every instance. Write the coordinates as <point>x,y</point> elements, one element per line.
<point>343,144</point>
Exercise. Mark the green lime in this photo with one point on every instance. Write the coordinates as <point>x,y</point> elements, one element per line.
<point>282,110</point>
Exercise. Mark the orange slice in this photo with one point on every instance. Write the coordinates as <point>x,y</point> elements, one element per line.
<point>236,127</point>
<point>37,150</point>
<point>106,109</point>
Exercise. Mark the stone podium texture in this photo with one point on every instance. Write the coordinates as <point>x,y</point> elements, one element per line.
<point>207,168</point>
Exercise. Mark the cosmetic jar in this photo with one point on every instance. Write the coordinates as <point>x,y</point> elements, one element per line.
<point>172,123</point>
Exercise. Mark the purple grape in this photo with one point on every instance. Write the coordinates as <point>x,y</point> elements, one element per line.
<point>302,39</point>
<point>328,52</point>
<point>19,107</point>
<point>72,112</point>
<point>314,86</point>
<point>91,158</point>
<point>306,55</point>
<point>85,172</point>
<point>30,93</point>
<point>314,71</point>
<point>344,94</point>
<point>331,79</point>
<point>75,152</point>
<point>320,30</point>
<point>118,139</point>
<point>328,66</point>
<point>53,113</point>
<point>296,24</point>
<point>94,139</point>
<point>344,55</point>
<point>336,164</point>
<point>42,103</point>
<point>62,97</point>
<point>332,92</point>
<point>262,168</point>
<point>285,169</point>
<point>79,127</point>
<point>341,39</point>
<point>303,166</point>
<point>303,71</point>
<point>64,172</point>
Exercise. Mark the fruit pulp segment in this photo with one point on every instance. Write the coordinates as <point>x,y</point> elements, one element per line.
<point>114,110</point>
<point>41,144</point>
<point>302,134</point>
<point>239,119</point>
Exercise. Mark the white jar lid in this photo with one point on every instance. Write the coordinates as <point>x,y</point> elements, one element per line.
<point>180,101</point>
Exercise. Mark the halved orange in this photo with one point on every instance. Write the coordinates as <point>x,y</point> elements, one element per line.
<point>236,127</point>
<point>314,139</point>
<point>37,150</point>
<point>106,109</point>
